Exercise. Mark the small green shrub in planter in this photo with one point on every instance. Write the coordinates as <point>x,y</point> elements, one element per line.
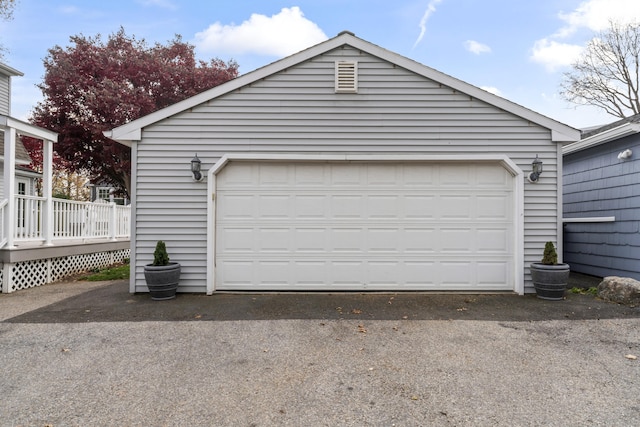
<point>550,278</point>
<point>549,256</point>
<point>162,275</point>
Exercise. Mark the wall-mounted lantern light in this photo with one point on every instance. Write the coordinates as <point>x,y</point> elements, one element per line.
<point>536,170</point>
<point>195,168</point>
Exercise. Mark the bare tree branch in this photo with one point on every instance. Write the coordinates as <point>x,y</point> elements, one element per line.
<point>607,75</point>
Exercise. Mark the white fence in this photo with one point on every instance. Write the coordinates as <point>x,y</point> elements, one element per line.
<point>69,219</point>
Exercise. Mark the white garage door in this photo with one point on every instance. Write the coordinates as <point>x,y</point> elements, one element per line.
<point>364,226</point>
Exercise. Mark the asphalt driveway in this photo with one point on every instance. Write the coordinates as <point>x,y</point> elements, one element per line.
<point>76,354</point>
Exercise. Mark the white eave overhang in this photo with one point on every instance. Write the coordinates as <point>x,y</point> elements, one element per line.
<point>626,129</point>
<point>26,129</point>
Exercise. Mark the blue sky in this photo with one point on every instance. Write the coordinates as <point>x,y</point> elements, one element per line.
<point>517,49</point>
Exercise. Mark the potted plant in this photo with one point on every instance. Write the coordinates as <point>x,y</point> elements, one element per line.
<point>550,278</point>
<point>162,276</point>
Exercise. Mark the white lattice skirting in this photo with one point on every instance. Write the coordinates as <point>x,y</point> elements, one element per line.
<point>29,274</point>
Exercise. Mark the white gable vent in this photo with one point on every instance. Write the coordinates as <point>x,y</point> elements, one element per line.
<point>346,77</point>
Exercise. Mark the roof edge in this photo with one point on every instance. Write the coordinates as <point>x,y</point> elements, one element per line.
<point>10,71</point>
<point>560,131</point>
<point>626,129</point>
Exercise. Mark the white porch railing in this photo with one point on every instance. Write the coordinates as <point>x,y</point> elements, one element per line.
<point>3,238</point>
<point>70,219</point>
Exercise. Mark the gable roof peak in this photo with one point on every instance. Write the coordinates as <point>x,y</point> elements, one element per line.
<point>131,132</point>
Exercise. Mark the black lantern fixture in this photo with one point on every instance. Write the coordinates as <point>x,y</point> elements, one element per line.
<point>195,168</point>
<point>536,170</point>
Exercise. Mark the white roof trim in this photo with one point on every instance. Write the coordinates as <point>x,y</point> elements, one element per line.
<point>131,131</point>
<point>27,129</point>
<point>602,138</point>
<point>9,71</point>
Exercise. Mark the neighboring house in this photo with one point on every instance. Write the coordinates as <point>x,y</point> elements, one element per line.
<point>104,192</point>
<point>43,239</point>
<point>24,176</point>
<point>346,167</point>
<point>602,200</point>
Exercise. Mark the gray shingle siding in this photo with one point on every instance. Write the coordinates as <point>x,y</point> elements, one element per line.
<point>598,184</point>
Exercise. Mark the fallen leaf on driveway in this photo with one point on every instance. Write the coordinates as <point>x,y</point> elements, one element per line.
<point>362,329</point>
<point>356,311</point>
<point>631,356</point>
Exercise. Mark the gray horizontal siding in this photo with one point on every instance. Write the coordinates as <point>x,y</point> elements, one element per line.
<point>296,111</point>
<point>598,184</point>
<point>5,95</point>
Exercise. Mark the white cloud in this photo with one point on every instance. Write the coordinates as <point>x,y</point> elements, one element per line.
<point>554,55</point>
<point>596,14</point>
<point>476,47</point>
<point>279,35</point>
<point>591,15</point>
<point>431,8</point>
<point>491,89</point>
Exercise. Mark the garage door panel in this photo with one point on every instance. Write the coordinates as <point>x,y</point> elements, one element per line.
<point>387,240</point>
<point>236,239</point>
<point>417,175</point>
<point>492,207</point>
<point>488,176</point>
<point>359,226</point>
<point>382,207</point>
<point>423,274</point>
<point>349,240</point>
<point>310,175</point>
<point>236,206</point>
<point>347,273</point>
<point>365,274</point>
<point>420,240</point>
<point>311,206</point>
<point>493,272</point>
<point>273,174</point>
<point>345,175</point>
<point>348,206</point>
<point>310,239</point>
<point>457,240</point>
<point>419,206</point>
<point>273,239</point>
<point>493,240</point>
<point>455,176</point>
<point>457,274</point>
<point>382,176</point>
<point>274,206</point>
<point>310,272</point>
<point>455,207</point>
